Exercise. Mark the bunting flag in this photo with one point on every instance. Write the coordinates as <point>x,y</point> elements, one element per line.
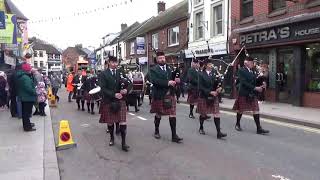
<point>80,13</point>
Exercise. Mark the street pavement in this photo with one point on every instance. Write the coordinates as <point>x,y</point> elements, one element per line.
<point>290,152</point>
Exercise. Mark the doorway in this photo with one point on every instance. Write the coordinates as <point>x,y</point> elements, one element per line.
<point>284,76</point>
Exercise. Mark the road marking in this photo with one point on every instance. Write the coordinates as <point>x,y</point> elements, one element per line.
<point>280,177</point>
<point>270,121</point>
<point>85,125</point>
<point>131,114</point>
<point>144,119</point>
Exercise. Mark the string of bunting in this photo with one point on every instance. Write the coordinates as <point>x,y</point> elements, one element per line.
<point>80,13</point>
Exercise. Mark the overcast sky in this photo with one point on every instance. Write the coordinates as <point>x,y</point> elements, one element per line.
<point>87,29</point>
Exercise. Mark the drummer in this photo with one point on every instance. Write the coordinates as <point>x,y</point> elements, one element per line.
<point>89,84</point>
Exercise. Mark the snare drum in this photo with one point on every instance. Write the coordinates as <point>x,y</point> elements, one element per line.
<point>96,94</point>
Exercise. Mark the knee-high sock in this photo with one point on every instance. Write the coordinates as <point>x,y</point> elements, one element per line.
<point>238,118</point>
<point>88,106</point>
<point>156,124</point>
<point>123,130</point>
<point>111,131</point>
<point>201,119</point>
<point>173,124</point>
<point>92,107</point>
<point>256,118</point>
<point>191,109</point>
<point>217,123</point>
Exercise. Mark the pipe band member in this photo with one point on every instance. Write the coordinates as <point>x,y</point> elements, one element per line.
<point>209,101</point>
<point>89,84</point>
<point>163,96</point>
<point>247,100</point>
<point>113,109</point>
<point>193,88</point>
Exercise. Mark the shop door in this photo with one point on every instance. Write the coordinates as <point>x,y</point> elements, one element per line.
<point>284,76</point>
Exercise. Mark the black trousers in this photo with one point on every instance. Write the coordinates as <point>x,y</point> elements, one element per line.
<point>26,114</point>
<point>13,106</point>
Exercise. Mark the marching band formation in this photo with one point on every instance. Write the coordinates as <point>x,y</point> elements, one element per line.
<point>113,90</point>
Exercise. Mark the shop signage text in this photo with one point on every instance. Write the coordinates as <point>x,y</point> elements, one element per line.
<point>280,34</point>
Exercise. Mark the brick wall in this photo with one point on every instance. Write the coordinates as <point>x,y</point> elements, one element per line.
<point>163,38</point>
<point>262,14</point>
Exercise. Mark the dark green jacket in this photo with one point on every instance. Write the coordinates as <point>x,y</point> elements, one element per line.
<point>247,82</point>
<point>111,85</point>
<point>160,80</point>
<point>193,79</point>
<point>207,84</point>
<point>26,90</point>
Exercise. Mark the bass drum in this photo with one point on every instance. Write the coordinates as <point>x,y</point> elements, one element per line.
<point>138,83</point>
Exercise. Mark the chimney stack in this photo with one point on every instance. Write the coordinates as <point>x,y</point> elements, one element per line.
<point>161,6</point>
<point>123,26</point>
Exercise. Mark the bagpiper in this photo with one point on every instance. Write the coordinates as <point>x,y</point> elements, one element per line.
<point>89,84</point>
<point>113,109</point>
<point>209,101</point>
<point>247,92</point>
<point>163,96</point>
<point>193,88</point>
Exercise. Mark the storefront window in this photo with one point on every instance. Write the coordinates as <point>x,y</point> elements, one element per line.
<point>313,68</point>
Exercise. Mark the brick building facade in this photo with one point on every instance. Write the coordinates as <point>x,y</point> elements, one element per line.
<point>284,36</point>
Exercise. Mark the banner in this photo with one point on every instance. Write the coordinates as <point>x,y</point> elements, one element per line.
<point>140,45</point>
<point>2,5</point>
<point>2,20</point>
<point>9,35</point>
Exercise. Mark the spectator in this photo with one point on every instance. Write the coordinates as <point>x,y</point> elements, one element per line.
<point>42,97</point>
<point>56,85</point>
<point>12,93</point>
<point>70,86</point>
<point>3,91</point>
<point>27,94</point>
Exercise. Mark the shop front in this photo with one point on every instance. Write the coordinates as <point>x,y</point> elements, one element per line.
<point>291,55</point>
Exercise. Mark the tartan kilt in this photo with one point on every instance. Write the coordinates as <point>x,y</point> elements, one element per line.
<point>157,107</point>
<point>242,104</point>
<point>192,98</point>
<point>108,117</point>
<point>204,108</point>
<point>87,96</point>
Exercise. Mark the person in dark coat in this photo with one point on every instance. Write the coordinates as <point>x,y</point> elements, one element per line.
<point>114,87</point>
<point>3,91</point>
<point>208,102</point>
<point>78,92</point>
<point>13,93</point>
<point>163,96</point>
<point>88,85</point>
<point>27,94</point>
<point>247,98</point>
<point>193,88</point>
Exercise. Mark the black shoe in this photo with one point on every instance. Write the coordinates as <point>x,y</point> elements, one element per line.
<point>32,124</point>
<point>29,130</point>
<point>157,135</point>
<point>111,143</point>
<point>43,114</point>
<point>125,148</point>
<point>176,139</point>
<point>36,113</point>
<point>89,111</point>
<point>92,113</point>
<point>83,109</point>
<point>201,131</point>
<point>221,135</point>
<point>238,127</point>
<point>262,131</point>
<point>191,116</point>
<point>137,110</point>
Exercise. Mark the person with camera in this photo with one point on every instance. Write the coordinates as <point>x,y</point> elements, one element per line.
<point>163,95</point>
<point>208,102</point>
<point>247,99</point>
<point>113,109</point>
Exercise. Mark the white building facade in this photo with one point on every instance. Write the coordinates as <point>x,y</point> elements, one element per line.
<point>208,28</point>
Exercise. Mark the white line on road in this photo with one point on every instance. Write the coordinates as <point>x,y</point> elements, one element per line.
<point>131,114</point>
<point>280,177</point>
<point>85,125</point>
<point>144,119</point>
<point>293,126</point>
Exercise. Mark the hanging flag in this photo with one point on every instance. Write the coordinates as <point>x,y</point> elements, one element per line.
<point>9,35</point>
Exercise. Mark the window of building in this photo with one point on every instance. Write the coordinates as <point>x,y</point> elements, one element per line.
<point>57,56</point>
<point>41,64</point>
<point>313,68</point>
<point>246,8</point>
<point>217,16</point>
<point>199,25</point>
<point>198,2</point>
<point>41,53</point>
<point>173,36</point>
<point>277,4</point>
<point>50,56</point>
<point>35,54</point>
<point>132,48</point>
<point>35,64</point>
<point>155,41</point>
